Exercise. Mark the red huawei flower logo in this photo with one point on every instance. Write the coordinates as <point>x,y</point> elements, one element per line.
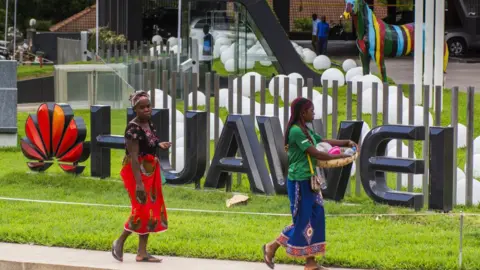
<point>54,133</point>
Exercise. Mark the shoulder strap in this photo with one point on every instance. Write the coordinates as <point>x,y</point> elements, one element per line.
<point>310,163</point>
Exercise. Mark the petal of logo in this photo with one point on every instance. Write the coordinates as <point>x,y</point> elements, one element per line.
<point>54,133</point>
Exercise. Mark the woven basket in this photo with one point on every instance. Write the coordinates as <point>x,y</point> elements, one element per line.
<point>340,162</point>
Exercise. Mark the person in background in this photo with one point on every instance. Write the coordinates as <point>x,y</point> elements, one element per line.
<point>207,52</point>
<point>315,22</point>
<point>305,237</point>
<point>323,29</point>
<point>142,180</point>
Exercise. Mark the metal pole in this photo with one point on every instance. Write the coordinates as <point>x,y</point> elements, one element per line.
<point>418,51</point>
<point>470,129</point>
<point>460,248</point>
<point>426,143</point>
<point>96,28</point>
<point>439,48</point>
<point>179,33</point>
<point>428,57</point>
<point>454,121</point>
<point>6,22</point>
<point>15,29</point>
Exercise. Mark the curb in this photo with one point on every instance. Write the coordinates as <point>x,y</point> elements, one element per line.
<point>12,265</point>
<point>465,60</point>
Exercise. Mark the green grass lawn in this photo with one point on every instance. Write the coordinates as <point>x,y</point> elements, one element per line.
<point>380,242</point>
<point>31,72</point>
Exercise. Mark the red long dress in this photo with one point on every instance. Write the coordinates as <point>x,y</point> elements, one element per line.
<point>151,216</point>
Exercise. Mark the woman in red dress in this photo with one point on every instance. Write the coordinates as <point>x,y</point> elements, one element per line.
<point>142,179</point>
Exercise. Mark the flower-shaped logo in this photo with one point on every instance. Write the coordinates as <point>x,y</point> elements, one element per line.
<point>54,133</point>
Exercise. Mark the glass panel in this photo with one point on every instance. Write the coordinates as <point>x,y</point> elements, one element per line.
<point>109,89</point>
<point>77,88</point>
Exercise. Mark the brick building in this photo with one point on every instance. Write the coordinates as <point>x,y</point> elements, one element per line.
<point>332,9</point>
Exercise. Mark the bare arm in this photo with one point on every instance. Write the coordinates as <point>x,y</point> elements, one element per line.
<point>132,147</point>
<point>340,143</point>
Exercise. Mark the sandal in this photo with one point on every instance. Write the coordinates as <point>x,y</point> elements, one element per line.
<point>148,258</point>
<point>317,267</point>
<point>270,264</point>
<point>114,253</point>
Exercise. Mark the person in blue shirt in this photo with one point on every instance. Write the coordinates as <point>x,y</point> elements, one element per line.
<point>323,29</point>
<point>315,21</point>
<point>208,43</point>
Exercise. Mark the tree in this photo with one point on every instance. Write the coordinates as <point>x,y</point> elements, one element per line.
<point>2,22</point>
<point>42,10</point>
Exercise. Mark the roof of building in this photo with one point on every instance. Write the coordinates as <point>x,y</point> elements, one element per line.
<point>82,21</point>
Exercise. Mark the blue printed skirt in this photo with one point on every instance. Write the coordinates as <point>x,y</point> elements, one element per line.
<point>306,236</point>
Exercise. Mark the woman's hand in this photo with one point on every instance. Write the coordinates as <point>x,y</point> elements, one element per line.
<point>165,145</point>
<point>352,144</point>
<point>140,194</point>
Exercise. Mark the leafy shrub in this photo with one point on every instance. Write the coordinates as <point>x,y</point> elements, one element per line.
<point>303,24</point>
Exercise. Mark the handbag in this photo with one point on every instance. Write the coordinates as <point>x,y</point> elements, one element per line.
<point>316,180</point>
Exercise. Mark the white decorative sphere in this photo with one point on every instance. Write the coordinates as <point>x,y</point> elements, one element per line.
<point>461,192</point>
<point>179,117</point>
<point>223,97</point>
<point>174,49</point>
<point>246,83</point>
<point>294,78</point>
<point>393,107</point>
<point>179,159</point>
<point>230,65</point>
<point>180,142</point>
<point>248,64</point>
<point>201,99</point>
<point>223,41</point>
<point>417,180</point>
<point>331,75</point>
<point>315,93</point>
<point>157,39</point>
<point>309,56</point>
<point>226,55</point>
<point>159,99</point>
<point>318,104</point>
<point>300,52</point>
<point>462,136</point>
<point>394,153</point>
<point>355,84</point>
<point>224,48</point>
<point>367,101</point>
<point>281,84</point>
<point>476,145</point>
<point>353,171</point>
<point>216,52</point>
<point>152,51</point>
<point>418,119</point>
<point>358,71</point>
<point>322,62</point>
<point>369,80</point>
<point>179,130</point>
<point>172,41</point>
<point>460,174</point>
<point>292,93</point>
<point>348,65</point>
<point>212,126</point>
<point>365,130</point>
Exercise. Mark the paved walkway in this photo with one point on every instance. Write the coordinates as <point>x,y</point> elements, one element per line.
<point>15,256</point>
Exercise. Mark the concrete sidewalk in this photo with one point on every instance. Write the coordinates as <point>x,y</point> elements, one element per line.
<point>29,257</point>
